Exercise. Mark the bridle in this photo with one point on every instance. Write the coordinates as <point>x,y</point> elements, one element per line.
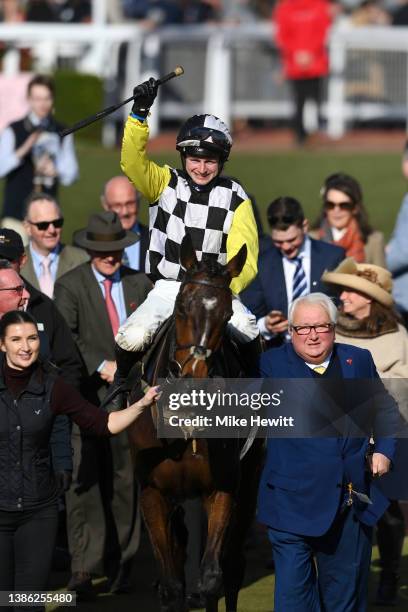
<point>196,351</point>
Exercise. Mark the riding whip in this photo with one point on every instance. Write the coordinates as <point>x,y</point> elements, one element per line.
<point>178,71</point>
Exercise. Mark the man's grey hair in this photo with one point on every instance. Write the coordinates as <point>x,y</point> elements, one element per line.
<point>313,299</point>
<point>36,197</point>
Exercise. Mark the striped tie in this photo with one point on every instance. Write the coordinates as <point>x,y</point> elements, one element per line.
<point>299,286</point>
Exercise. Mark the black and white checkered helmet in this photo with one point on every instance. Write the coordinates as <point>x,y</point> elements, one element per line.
<point>204,135</point>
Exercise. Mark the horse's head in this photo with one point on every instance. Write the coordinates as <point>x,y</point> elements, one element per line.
<point>203,308</point>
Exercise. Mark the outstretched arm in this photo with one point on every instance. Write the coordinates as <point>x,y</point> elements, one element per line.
<point>118,421</point>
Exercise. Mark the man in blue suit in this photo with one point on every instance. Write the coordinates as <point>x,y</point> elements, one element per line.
<point>316,494</point>
<point>291,267</point>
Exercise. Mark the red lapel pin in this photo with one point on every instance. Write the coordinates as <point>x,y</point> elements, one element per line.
<point>349,361</point>
<point>132,305</point>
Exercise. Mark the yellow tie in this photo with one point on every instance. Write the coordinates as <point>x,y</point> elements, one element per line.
<point>319,369</point>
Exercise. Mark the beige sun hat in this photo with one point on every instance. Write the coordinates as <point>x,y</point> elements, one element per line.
<point>374,281</point>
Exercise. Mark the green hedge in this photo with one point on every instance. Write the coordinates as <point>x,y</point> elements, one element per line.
<point>77,97</point>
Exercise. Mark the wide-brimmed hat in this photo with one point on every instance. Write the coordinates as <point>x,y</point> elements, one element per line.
<point>104,232</point>
<point>374,281</point>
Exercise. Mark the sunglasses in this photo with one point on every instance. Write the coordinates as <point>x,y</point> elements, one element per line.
<point>19,290</point>
<point>342,205</point>
<point>44,225</point>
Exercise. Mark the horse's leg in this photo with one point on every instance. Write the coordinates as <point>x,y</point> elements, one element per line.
<point>219,508</point>
<point>233,560</point>
<point>167,548</point>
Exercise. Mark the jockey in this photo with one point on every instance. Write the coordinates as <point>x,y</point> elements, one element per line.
<point>197,200</point>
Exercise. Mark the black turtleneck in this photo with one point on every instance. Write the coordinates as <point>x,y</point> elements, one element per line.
<point>17,380</point>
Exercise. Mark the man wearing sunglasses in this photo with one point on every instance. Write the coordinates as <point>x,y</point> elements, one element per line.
<point>290,268</point>
<point>47,257</point>
<point>196,200</point>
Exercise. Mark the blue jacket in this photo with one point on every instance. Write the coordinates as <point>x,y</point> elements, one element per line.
<point>302,485</point>
<point>268,290</point>
<point>397,257</point>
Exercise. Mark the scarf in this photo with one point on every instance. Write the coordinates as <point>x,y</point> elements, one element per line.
<point>364,328</point>
<point>351,241</point>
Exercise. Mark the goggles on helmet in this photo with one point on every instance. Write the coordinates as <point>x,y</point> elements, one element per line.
<point>204,137</point>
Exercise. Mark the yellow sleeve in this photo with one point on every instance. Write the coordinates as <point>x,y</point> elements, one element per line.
<point>243,231</point>
<point>148,178</point>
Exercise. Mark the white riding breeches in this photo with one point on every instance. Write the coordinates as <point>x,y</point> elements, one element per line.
<point>137,333</point>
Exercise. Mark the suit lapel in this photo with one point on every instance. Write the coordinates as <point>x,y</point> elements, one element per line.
<point>347,364</point>
<point>63,262</point>
<point>130,292</point>
<point>317,266</point>
<point>273,281</point>
<point>96,298</point>
<point>28,271</point>
<point>297,367</point>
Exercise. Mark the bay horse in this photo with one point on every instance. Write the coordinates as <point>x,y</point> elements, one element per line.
<point>171,471</point>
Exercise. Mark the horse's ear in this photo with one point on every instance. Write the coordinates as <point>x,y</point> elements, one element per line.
<point>188,257</point>
<point>235,265</point>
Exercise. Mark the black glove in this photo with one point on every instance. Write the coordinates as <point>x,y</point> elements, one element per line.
<point>64,479</point>
<point>146,94</point>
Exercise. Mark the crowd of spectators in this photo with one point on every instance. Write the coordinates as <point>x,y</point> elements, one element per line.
<point>100,284</point>
<point>64,11</point>
<point>161,12</point>
<point>166,12</point>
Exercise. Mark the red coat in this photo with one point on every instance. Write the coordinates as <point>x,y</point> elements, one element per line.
<point>301,35</point>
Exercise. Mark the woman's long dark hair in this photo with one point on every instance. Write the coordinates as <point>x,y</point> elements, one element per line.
<point>381,317</point>
<point>14,317</point>
<point>352,189</point>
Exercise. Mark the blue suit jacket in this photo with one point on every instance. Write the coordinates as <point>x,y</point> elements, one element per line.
<point>268,290</point>
<point>301,487</point>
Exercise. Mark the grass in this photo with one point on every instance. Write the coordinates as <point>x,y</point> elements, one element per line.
<point>266,176</point>
<point>256,595</point>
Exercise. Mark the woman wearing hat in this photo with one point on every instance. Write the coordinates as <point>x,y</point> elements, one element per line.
<point>344,221</point>
<point>367,319</point>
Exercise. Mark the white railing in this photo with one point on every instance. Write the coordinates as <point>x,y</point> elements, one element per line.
<point>231,71</point>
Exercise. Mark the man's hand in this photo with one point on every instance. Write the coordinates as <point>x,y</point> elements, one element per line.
<point>45,166</point>
<point>275,322</point>
<point>380,464</point>
<point>108,371</point>
<point>146,94</point>
<point>28,144</point>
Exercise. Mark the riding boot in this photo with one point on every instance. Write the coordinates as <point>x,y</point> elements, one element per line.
<point>390,538</point>
<point>122,382</point>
